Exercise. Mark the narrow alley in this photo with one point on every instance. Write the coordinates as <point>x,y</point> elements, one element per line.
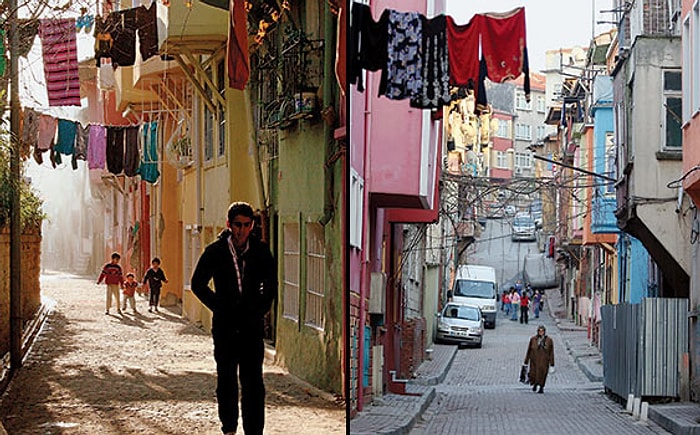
<point>145,373</point>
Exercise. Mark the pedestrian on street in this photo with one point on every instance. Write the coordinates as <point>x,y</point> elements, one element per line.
<point>505,302</point>
<point>128,289</point>
<point>112,276</point>
<point>540,356</point>
<point>524,308</point>
<point>519,287</point>
<point>245,278</point>
<point>155,277</point>
<point>514,304</point>
<point>536,303</point>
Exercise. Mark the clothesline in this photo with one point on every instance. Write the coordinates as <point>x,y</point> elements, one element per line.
<point>420,58</point>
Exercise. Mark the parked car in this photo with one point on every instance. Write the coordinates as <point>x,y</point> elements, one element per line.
<point>495,211</point>
<point>476,285</point>
<point>524,228</point>
<point>510,210</point>
<point>461,324</point>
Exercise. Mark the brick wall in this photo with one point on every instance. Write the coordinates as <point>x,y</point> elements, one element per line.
<point>354,354</point>
<point>30,287</point>
<point>412,347</point>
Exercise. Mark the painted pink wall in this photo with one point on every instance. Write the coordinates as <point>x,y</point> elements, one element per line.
<point>691,131</point>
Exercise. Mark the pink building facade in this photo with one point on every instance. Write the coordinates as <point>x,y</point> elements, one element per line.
<point>394,170</point>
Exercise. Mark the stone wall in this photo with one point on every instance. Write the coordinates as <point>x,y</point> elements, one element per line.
<point>30,287</point>
<point>412,347</point>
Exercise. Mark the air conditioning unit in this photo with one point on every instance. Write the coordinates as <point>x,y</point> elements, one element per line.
<point>377,293</point>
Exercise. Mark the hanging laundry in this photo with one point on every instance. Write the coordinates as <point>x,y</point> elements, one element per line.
<point>97,147</point>
<point>405,56</point>
<point>435,73</point>
<point>60,54</point>
<point>47,132</point>
<point>82,137</point>
<point>107,81</point>
<point>84,22</point>
<point>463,48</point>
<point>115,150</point>
<point>30,129</point>
<point>503,46</point>
<point>27,31</point>
<point>367,45</point>
<point>65,142</point>
<point>149,166</point>
<point>237,46</point>
<point>131,152</point>
<point>124,35</point>
<point>104,27</point>
<point>147,28</point>
<point>480,91</point>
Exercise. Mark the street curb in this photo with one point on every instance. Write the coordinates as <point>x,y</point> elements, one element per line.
<point>676,425</point>
<point>581,362</point>
<point>436,379</point>
<point>404,423</point>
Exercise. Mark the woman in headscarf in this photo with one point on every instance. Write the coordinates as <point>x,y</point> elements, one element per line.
<point>540,356</point>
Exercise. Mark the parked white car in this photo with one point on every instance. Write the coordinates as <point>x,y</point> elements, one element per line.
<point>461,324</point>
<point>524,228</point>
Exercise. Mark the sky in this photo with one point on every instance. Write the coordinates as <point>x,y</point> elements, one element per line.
<point>549,25</point>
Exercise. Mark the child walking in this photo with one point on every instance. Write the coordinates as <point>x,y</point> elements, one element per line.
<point>154,278</point>
<point>129,288</point>
<point>112,276</point>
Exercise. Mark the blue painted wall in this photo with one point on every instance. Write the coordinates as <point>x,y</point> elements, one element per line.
<point>604,202</point>
<point>633,269</point>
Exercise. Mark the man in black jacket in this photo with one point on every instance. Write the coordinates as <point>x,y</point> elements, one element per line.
<point>245,279</point>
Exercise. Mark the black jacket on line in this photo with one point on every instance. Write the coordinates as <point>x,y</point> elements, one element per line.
<point>233,311</point>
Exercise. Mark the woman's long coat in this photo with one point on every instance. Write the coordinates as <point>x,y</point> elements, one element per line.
<point>539,358</point>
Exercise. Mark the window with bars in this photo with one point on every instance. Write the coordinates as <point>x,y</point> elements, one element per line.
<point>221,86</point>
<point>291,271</point>
<point>315,276</point>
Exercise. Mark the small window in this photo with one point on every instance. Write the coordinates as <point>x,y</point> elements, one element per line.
<point>672,110</point>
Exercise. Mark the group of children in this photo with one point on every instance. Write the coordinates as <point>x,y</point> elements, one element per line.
<point>520,300</point>
<point>112,276</point>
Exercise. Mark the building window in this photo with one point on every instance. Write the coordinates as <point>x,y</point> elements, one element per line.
<point>221,86</point>
<point>291,271</point>
<point>610,163</point>
<point>503,129</point>
<point>541,132</point>
<point>673,102</point>
<point>523,160</point>
<point>695,61</point>
<point>541,104</point>
<point>315,275</point>
<point>523,132</point>
<point>208,124</point>
<point>688,70</point>
<point>521,102</point>
<point>501,160</point>
<point>357,192</point>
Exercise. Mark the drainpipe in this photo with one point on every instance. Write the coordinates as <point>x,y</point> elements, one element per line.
<point>328,102</point>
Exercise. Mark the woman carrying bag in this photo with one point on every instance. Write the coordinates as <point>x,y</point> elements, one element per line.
<point>540,357</point>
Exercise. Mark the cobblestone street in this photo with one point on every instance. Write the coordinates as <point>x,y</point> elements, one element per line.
<point>145,373</point>
<point>481,393</point>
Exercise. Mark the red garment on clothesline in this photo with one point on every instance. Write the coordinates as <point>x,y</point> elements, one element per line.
<point>503,44</point>
<point>463,50</point>
<point>237,46</point>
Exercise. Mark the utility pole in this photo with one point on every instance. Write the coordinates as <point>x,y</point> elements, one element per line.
<point>15,230</point>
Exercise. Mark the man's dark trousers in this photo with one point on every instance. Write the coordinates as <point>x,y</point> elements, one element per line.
<point>240,353</point>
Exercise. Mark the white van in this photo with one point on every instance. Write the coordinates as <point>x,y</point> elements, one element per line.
<point>476,285</point>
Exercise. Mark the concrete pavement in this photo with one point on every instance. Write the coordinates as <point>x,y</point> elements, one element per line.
<point>393,414</point>
<point>153,373</point>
